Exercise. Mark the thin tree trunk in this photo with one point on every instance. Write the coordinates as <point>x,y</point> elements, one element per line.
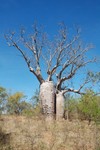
<point>47,98</point>
<point>67,111</point>
<point>59,105</point>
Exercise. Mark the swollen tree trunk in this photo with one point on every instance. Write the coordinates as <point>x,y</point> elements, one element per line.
<point>47,98</point>
<point>59,105</point>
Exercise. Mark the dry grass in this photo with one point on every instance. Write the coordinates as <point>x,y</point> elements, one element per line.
<point>24,133</point>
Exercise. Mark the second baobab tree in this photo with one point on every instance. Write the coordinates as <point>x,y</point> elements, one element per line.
<point>55,63</point>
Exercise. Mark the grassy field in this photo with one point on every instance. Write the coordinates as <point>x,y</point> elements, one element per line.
<point>36,133</point>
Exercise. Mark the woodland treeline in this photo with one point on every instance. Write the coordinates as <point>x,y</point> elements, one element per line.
<point>85,107</point>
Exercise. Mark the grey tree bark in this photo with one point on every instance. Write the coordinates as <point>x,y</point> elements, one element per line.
<point>47,98</point>
<point>59,105</point>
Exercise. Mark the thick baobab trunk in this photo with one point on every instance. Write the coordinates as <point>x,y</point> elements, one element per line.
<point>47,98</point>
<point>59,105</point>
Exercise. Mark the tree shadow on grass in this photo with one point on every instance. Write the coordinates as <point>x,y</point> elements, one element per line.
<point>4,139</point>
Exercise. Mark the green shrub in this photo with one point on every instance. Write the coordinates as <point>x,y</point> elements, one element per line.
<point>89,107</point>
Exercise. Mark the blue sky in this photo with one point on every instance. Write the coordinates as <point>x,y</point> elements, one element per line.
<point>14,73</point>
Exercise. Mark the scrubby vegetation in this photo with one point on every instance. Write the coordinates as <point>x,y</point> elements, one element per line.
<point>23,127</point>
<point>85,107</point>
<point>36,133</point>
<point>17,103</point>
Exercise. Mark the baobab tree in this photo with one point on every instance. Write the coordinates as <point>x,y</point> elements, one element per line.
<point>61,59</point>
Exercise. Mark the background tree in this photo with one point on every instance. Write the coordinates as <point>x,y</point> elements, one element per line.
<point>16,103</point>
<point>3,99</point>
<point>62,58</point>
<point>70,107</point>
<point>89,106</point>
<point>35,98</point>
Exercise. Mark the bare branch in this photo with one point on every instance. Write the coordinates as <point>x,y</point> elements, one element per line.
<point>63,57</point>
<point>27,60</point>
<point>73,59</point>
<point>61,51</point>
<point>73,90</point>
<point>86,81</point>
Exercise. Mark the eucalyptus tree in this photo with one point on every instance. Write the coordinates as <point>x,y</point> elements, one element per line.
<point>53,62</point>
<point>16,103</point>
